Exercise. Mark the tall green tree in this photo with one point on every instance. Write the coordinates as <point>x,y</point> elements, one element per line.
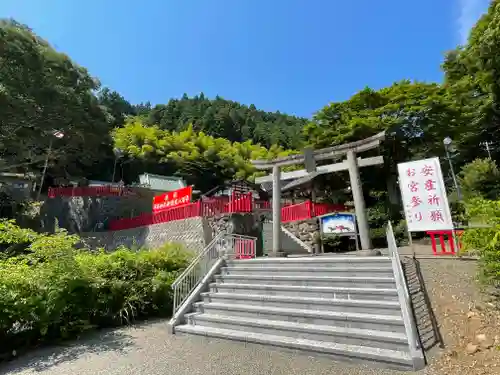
<point>472,73</point>
<point>42,90</point>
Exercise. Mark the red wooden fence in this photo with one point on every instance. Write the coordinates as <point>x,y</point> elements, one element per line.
<point>223,205</point>
<point>308,210</point>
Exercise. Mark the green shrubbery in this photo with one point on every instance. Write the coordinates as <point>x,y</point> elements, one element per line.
<point>480,179</point>
<point>49,289</point>
<point>485,240</point>
<point>480,183</point>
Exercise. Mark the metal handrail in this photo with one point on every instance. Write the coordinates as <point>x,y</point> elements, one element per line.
<point>196,259</point>
<point>403,292</point>
<point>222,245</point>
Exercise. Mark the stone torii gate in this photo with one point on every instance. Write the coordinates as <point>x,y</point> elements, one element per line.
<point>309,159</point>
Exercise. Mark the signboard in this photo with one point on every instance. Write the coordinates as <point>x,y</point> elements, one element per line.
<point>341,224</point>
<point>172,199</point>
<point>424,196</point>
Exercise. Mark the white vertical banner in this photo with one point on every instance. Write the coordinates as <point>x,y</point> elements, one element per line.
<point>424,196</point>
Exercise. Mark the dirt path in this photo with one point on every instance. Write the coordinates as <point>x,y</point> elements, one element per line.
<point>468,323</point>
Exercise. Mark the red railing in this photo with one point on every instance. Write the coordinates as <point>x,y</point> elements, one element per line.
<point>214,206</point>
<point>176,213</point>
<point>223,205</point>
<point>319,209</point>
<point>307,210</point>
<point>295,212</point>
<point>244,248</point>
<point>88,191</point>
<point>445,250</point>
<point>261,205</point>
<point>239,203</point>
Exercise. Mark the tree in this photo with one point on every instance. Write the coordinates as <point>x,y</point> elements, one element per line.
<point>480,179</point>
<point>472,73</point>
<point>415,115</point>
<point>203,160</point>
<point>228,119</point>
<point>117,106</point>
<point>42,90</point>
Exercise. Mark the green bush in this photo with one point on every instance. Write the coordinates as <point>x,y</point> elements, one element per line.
<point>480,179</point>
<point>484,241</point>
<point>52,290</point>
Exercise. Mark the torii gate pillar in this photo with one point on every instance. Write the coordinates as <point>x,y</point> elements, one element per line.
<point>359,201</point>
<point>276,209</point>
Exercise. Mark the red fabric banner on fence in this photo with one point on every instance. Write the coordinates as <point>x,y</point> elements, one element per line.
<point>172,199</point>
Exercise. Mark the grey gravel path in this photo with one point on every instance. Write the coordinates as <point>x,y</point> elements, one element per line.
<point>148,349</point>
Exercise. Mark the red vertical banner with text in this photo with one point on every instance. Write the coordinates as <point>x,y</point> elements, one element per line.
<point>424,196</point>
<point>172,199</point>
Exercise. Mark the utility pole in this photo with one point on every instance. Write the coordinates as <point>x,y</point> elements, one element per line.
<point>55,133</point>
<point>44,169</point>
<point>447,146</point>
<point>487,147</point>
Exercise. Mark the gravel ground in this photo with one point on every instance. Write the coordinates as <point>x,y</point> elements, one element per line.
<point>464,315</point>
<point>460,311</point>
<point>149,349</point>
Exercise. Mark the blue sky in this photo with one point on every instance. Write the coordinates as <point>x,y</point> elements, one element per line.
<point>294,56</point>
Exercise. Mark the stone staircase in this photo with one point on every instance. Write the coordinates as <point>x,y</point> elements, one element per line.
<point>343,307</point>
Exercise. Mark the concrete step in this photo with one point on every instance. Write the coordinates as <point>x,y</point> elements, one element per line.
<point>296,270</point>
<point>365,293</point>
<point>338,281</point>
<point>388,323</point>
<point>314,261</point>
<point>341,335</point>
<point>337,351</point>
<point>304,303</point>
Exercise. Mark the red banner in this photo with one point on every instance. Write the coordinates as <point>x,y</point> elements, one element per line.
<point>172,199</point>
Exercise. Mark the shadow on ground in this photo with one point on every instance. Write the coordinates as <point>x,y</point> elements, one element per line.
<point>45,358</point>
<point>427,325</point>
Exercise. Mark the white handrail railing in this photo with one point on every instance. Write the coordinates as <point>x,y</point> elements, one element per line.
<point>223,244</point>
<point>403,293</point>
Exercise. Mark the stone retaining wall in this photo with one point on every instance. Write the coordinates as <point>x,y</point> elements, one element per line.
<point>247,224</point>
<point>194,233</point>
<point>83,214</point>
<point>304,230</point>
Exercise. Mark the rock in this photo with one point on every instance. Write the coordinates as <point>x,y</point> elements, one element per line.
<point>479,306</point>
<point>304,227</point>
<point>484,341</point>
<point>471,348</point>
<point>452,354</point>
<point>480,337</point>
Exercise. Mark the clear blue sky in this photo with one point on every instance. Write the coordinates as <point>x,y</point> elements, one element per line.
<point>289,55</point>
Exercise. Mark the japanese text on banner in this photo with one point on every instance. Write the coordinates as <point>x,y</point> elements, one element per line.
<point>424,195</point>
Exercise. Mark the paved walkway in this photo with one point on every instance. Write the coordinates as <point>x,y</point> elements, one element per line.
<point>149,350</point>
